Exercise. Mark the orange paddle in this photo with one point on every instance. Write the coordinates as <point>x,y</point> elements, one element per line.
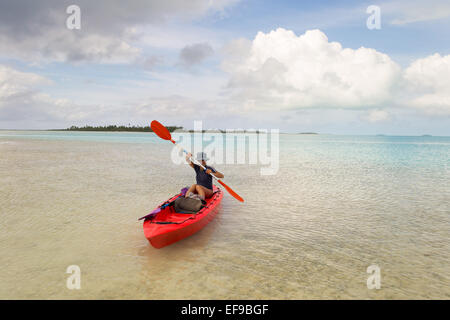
<point>163,133</point>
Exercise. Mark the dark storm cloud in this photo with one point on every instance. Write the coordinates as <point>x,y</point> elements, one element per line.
<point>195,53</point>
<point>35,30</point>
<point>152,62</point>
<point>27,16</point>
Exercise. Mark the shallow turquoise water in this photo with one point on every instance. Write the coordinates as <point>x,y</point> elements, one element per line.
<point>336,205</point>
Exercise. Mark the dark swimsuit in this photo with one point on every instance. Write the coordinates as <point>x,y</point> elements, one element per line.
<point>204,179</point>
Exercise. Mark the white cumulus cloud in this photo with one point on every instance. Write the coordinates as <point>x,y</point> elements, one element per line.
<point>283,70</point>
<point>23,102</point>
<point>280,70</point>
<point>428,84</point>
<point>14,83</point>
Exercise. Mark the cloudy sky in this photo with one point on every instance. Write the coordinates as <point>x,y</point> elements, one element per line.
<point>293,65</point>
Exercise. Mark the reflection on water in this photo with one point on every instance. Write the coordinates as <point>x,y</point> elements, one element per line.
<point>337,205</point>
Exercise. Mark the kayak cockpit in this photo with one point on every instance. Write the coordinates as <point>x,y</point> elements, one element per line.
<point>168,215</point>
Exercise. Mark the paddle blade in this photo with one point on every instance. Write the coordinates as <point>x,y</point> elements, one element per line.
<point>154,212</point>
<point>234,194</point>
<point>160,130</point>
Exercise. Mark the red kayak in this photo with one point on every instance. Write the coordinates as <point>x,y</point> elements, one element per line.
<point>167,226</point>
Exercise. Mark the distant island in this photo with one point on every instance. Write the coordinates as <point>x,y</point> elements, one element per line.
<point>129,128</point>
<point>220,131</point>
<point>116,128</point>
<point>147,129</point>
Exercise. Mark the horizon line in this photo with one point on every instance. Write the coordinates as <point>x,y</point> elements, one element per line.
<point>209,130</point>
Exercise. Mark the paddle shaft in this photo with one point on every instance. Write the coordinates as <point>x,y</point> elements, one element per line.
<point>193,160</point>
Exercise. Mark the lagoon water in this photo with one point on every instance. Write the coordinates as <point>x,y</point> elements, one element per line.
<point>337,205</point>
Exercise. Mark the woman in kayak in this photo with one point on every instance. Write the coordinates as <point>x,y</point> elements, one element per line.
<point>204,187</point>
